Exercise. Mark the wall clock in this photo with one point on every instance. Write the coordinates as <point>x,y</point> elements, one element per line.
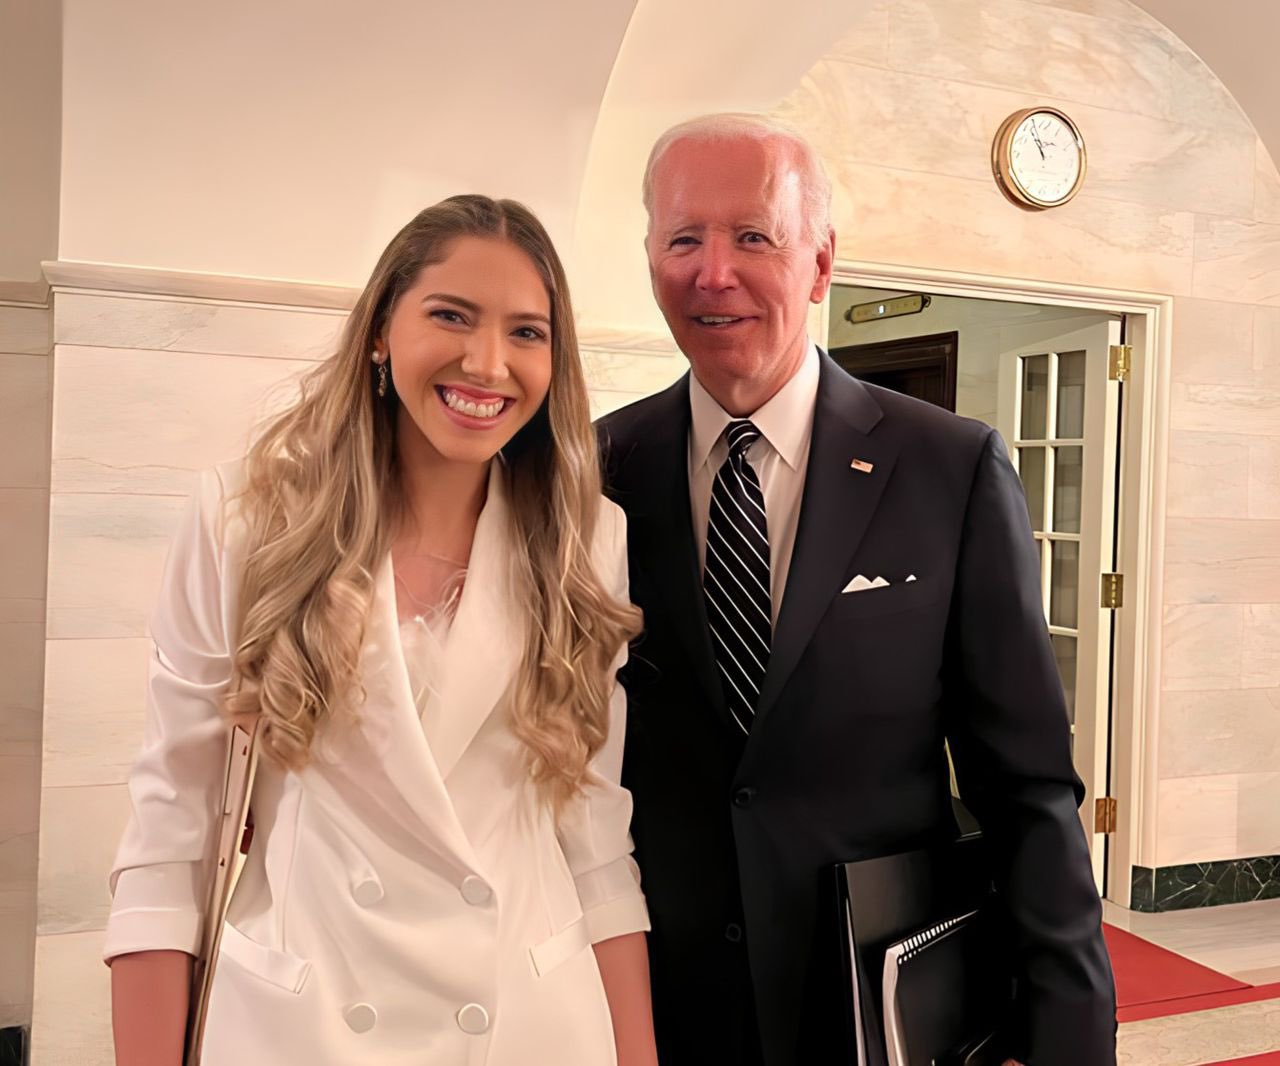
<point>1038,157</point>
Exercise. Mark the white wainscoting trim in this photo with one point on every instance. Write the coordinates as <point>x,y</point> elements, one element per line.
<point>64,275</point>
<point>95,319</point>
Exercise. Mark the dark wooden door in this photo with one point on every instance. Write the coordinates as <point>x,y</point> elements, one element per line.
<point>923,367</point>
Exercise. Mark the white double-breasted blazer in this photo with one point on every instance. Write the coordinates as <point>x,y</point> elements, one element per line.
<point>407,898</point>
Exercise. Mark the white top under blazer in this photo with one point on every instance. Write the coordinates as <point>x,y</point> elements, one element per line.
<point>408,898</point>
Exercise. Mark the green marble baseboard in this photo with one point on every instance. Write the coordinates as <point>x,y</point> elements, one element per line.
<point>1205,884</point>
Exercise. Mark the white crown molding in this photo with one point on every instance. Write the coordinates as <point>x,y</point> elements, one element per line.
<point>64,275</point>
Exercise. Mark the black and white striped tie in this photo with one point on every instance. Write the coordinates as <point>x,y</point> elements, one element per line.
<point>736,576</point>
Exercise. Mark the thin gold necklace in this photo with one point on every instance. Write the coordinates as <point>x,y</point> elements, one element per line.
<point>452,588</point>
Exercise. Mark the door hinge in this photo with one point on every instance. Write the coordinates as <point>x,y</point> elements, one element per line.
<point>1121,362</point>
<point>1105,815</point>
<point>1112,590</point>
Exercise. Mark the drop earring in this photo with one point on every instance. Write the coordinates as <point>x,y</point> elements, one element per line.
<point>380,362</point>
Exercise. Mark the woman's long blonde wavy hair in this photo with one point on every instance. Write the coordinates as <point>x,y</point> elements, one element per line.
<point>321,500</point>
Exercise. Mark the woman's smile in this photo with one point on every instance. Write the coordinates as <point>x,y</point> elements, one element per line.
<point>472,409</point>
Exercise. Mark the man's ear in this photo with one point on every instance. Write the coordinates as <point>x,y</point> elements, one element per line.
<point>826,257</point>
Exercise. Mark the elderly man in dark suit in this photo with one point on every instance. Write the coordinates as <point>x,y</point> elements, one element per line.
<point>836,580</point>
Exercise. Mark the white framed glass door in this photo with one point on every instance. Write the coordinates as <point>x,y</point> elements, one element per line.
<point>1058,413</point>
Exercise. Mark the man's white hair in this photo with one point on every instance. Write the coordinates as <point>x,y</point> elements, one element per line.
<point>732,126</point>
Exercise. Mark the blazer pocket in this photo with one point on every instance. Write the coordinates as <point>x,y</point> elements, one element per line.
<point>887,599</point>
<point>560,948</point>
<point>287,972</point>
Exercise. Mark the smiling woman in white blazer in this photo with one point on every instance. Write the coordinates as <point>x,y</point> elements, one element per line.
<point>431,865</point>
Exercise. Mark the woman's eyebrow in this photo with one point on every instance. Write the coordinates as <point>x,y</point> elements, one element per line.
<point>474,308</point>
<point>468,305</point>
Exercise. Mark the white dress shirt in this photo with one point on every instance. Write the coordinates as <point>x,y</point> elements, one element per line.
<point>779,458</point>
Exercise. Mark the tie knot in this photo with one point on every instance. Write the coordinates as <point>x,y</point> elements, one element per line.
<point>741,433</point>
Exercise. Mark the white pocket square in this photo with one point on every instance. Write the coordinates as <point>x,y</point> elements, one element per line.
<point>862,584</point>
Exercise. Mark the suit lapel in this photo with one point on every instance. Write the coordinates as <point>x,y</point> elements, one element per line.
<point>839,502</point>
<point>388,756</point>
<point>486,640</point>
<point>660,531</point>
<point>403,759</point>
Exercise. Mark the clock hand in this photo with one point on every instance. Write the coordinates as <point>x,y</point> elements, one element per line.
<point>1036,137</point>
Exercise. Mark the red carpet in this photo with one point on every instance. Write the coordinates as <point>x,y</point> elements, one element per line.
<point>1146,973</point>
<point>1153,982</point>
<point>1189,1004</point>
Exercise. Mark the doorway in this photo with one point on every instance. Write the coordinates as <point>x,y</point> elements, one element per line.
<point>923,367</point>
<point>1042,375</point>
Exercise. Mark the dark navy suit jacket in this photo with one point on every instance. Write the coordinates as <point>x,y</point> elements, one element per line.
<point>845,759</point>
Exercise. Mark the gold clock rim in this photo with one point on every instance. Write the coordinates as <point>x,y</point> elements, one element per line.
<point>1002,159</point>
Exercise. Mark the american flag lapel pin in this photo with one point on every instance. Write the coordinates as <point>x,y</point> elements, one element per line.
<point>862,466</point>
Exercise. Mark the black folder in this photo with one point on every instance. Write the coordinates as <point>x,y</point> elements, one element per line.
<point>934,914</point>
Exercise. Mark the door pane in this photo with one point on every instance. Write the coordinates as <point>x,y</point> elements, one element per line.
<point>1064,583</point>
<point>1067,471</point>
<point>1064,651</point>
<point>1035,397</point>
<point>1031,469</point>
<point>1070,395</point>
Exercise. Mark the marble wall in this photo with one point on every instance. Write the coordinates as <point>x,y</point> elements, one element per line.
<point>1220,721</point>
<point>24,505</point>
<point>1181,199</point>
<point>148,390</point>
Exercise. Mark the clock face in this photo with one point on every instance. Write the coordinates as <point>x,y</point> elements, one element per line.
<point>1045,158</point>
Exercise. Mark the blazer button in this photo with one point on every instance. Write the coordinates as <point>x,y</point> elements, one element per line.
<point>744,796</point>
<point>475,891</point>
<point>367,893</point>
<point>473,1019</point>
<point>733,932</point>
<point>360,1018</point>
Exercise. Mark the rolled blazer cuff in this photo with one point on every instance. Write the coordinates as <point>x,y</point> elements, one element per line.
<point>612,903</point>
<point>153,909</point>
<point>152,929</point>
<point>618,917</point>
